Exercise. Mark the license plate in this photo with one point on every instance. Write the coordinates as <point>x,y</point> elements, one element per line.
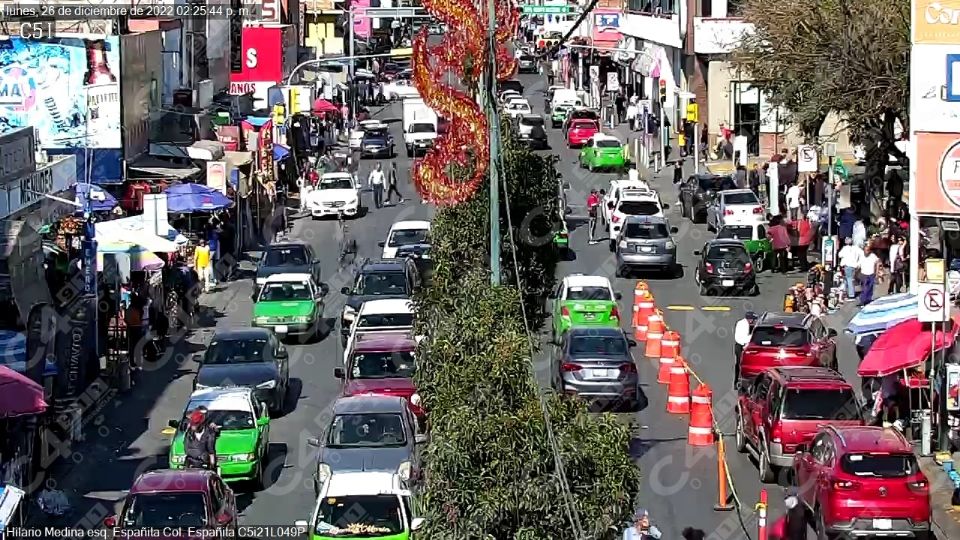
<point>281,329</point>
<point>882,524</point>
<point>727,283</point>
<point>646,249</point>
<point>601,373</point>
<point>589,316</point>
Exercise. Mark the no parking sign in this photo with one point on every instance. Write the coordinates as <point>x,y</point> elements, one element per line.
<point>933,303</point>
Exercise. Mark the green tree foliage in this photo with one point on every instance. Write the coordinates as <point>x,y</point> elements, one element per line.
<point>490,469</point>
<point>843,56</point>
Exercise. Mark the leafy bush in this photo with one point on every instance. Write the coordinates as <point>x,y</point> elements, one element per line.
<point>490,470</point>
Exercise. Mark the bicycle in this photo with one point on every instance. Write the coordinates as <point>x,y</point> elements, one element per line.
<point>348,246</point>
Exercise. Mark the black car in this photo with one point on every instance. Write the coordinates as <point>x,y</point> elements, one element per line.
<point>512,84</point>
<point>378,280</point>
<point>697,191</point>
<point>725,265</point>
<point>527,64</point>
<point>376,142</point>
<point>287,258</point>
<point>531,131</point>
<point>247,357</point>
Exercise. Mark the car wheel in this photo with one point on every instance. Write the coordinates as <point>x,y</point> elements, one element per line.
<point>260,480</point>
<point>613,245</point>
<point>704,290</point>
<point>761,263</point>
<point>741,438</point>
<point>409,153</point>
<point>767,474</point>
<point>683,209</point>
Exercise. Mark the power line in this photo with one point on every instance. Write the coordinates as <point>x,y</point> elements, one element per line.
<point>553,50</point>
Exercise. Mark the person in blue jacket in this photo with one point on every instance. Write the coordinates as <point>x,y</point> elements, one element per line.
<point>847,220</point>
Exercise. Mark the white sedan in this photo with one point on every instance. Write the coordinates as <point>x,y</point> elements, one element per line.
<point>335,193</point>
<point>399,89</point>
<point>518,107</point>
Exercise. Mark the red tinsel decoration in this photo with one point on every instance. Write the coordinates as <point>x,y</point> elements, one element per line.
<point>463,52</point>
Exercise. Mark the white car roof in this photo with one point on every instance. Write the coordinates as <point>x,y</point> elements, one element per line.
<point>345,484</point>
<point>735,192</point>
<point>639,194</point>
<point>222,399</point>
<point>336,176</point>
<point>289,278</point>
<point>604,136</point>
<point>411,225</point>
<point>392,305</point>
<point>372,123</point>
<point>587,281</point>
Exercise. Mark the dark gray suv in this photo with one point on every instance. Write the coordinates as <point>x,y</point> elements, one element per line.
<point>646,243</point>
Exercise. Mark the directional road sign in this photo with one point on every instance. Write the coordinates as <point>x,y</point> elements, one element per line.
<point>933,302</point>
<point>544,10</point>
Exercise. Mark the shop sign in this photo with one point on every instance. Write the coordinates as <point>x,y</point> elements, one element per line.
<point>937,178</point>
<point>953,387</point>
<point>53,178</point>
<point>17,154</point>
<point>935,88</point>
<point>217,175</point>
<point>261,55</point>
<point>936,21</point>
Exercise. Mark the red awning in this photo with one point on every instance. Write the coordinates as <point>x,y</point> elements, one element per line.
<point>19,395</point>
<point>321,106</point>
<point>904,346</point>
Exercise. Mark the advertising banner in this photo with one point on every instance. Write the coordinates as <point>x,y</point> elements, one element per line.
<point>217,175</point>
<point>262,55</point>
<point>66,88</point>
<point>936,21</point>
<point>71,349</point>
<point>17,154</point>
<point>361,23</point>
<point>935,88</point>
<point>606,28</point>
<point>937,175</point>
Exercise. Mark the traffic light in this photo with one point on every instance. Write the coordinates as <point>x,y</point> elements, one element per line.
<point>663,90</point>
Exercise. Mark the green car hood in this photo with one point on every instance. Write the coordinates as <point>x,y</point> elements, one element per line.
<point>586,312</point>
<point>401,536</point>
<point>286,308</point>
<point>754,246</point>
<point>234,441</point>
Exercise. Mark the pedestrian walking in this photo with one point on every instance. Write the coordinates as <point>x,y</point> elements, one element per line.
<point>593,202</point>
<point>375,181</point>
<point>897,259</point>
<point>200,441</point>
<point>754,179</point>
<point>868,275</point>
<point>850,256</point>
<point>780,238</point>
<point>201,261</point>
<point>632,113</point>
<point>678,171</point>
<point>805,233</point>
<point>793,201</point>
<point>740,177</point>
<point>392,184</point>
<point>741,337</point>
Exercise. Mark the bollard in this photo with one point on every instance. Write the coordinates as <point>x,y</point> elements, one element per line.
<point>723,500</point>
<point>762,511</point>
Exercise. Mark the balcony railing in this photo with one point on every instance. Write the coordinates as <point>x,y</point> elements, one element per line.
<point>653,8</point>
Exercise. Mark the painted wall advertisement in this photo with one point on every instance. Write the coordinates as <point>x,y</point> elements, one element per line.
<point>142,79</point>
<point>935,88</point>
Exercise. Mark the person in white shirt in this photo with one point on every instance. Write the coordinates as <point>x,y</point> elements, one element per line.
<point>375,180</point>
<point>793,202</point>
<point>859,234</point>
<point>868,275</point>
<point>741,337</point>
<point>632,113</point>
<point>850,256</point>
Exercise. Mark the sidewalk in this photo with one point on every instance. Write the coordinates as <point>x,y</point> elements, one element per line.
<point>946,517</point>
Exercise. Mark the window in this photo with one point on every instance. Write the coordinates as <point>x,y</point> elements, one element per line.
<point>225,420</point>
<point>380,514</point>
<point>880,465</point>
<point>589,293</point>
<point>382,284</point>
<point>157,510</point>
<point>285,292</point>
<point>608,143</point>
<point>734,8</point>
<point>639,208</point>
<point>336,183</point>
<point>367,430</point>
<point>408,237</point>
<point>740,198</point>
<point>761,387</point>
<point>390,320</point>
<point>292,256</point>
<point>815,404</point>
<point>236,351</point>
<point>728,254</point>
<point>736,232</point>
<point>598,345</point>
<point>422,128</point>
<point>646,231</point>
<point>384,365</point>
<point>651,7</point>
<point>780,336</point>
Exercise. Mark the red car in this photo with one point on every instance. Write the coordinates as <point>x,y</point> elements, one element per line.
<point>787,339</point>
<point>381,364</point>
<point>782,408</point>
<point>194,499</point>
<point>863,482</point>
<point>581,131</point>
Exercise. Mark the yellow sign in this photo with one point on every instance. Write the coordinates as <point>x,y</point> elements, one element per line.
<point>936,22</point>
<point>693,112</point>
<point>936,270</point>
<point>278,114</point>
<point>295,100</point>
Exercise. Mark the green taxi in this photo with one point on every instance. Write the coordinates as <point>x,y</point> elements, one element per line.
<point>602,152</point>
<point>244,432</point>
<point>754,237</point>
<point>289,304</point>
<point>559,113</point>
<point>368,504</point>
<point>581,300</point>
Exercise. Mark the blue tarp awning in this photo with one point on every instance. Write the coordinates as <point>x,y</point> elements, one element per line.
<point>884,313</point>
<point>100,199</point>
<point>187,198</point>
<point>257,121</point>
<point>280,152</point>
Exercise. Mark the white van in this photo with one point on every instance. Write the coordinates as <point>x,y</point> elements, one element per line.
<point>565,95</point>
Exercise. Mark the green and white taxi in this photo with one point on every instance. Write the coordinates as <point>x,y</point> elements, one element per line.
<point>581,300</point>
<point>363,505</point>
<point>244,432</point>
<point>602,152</point>
<point>289,304</point>
<point>559,114</point>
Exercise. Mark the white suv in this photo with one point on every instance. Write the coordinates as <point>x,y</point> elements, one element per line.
<point>632,202</point>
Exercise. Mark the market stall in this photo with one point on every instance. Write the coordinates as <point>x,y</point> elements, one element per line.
<point>98,199</point>
<point>22,405</point>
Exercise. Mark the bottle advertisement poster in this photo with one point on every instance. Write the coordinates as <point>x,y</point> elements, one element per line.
<point>66,88</point>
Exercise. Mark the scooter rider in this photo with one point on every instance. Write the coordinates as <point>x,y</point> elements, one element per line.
<point>200,441</point>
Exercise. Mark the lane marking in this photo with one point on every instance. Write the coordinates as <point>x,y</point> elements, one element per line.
<point>702,308</point>
<point>681,308</point>
<point>716,308</point>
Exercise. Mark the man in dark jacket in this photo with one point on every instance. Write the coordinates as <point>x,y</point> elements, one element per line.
<point>200,441</point>
<point>847,219</point>
<point>796,517</point>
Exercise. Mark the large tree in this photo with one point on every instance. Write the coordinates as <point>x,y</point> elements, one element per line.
<point>849,57</point>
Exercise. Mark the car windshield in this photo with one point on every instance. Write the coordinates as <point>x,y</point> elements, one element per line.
<point>367,516</point>
<point>382,284</point>
<point>740,198</point>
<point>366,430</point>
<point>589,293</point>
<point>780,336</point>
<point>336,183</point>
<point>237,351</point>
<point>224,420</point>
<point>285,292</point>
<point>159,510</point>
<point>646,231</point>
<point>728,254</point>
<point>532,121</point>
<point>562,109</point>
<point>880,465</point>
<point>817,404</point>
<point>639,208</point>
<point>383,365</point>
<point>598,345</point>
<point>422,128</point>
<point>608,143</point>
<point>736,232</point>
<point>288,256</point>
<point>407,237</point>
<point>375,133</point>
<point>526,58</point>
<point>583,125</point>
<point>517,105</point>
<point>391,320</point>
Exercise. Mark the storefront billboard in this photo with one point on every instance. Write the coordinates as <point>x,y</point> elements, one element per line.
<point>262,55</point>
<point>937,174</point>
<point>935,21</point>
<point>935,88</point>
<point>67,88</point>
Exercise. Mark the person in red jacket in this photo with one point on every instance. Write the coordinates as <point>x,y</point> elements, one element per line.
<point>780,238</point>
<point>593,204</point>
<point>805,233</point>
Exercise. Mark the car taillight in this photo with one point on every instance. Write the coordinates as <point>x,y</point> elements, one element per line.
<point>708,268</point>
<point>568,367</point>
<point>564,311</point>
<point>728,212</point>
<point>615,313</point>
<point>920,485</point>
<point>776,433</point>
<point>748,267</point>
<point>629,367</point>
<point>846,485</point>
<point>615,219</point>
<point>758,210</point>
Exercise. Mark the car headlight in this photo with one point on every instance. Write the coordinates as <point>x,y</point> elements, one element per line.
<point>303,319</point>
<point>323,472</point>
<point>415,400</point>
<point>201,387</point>
<point>263,320</point>
<point>404,471</point>
<point>242,457</point>
<point>670,245</point>
<point>353,202</point>
<point>269,385</point>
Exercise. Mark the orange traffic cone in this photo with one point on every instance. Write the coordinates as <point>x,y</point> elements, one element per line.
<point>669,350</point>
<point>638,298</point>
<point>678,392</point>
<point>700,432</point>
<point>645,308</point>
<point>655,330</point>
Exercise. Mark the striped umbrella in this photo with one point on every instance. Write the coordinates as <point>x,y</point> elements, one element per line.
<point>883,313</point>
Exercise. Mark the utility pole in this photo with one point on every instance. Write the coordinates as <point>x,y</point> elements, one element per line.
<point>492,118</point>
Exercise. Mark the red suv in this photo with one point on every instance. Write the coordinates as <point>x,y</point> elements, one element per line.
<point>580,132</point>
<point>787,339</point>
<point>782,408</point>
<point>381,364</point>
<point>863,481</point>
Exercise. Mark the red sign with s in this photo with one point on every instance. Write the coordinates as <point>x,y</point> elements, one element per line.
<point>261,55</point>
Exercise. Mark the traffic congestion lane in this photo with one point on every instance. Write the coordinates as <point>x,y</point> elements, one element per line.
<point>128,438</point>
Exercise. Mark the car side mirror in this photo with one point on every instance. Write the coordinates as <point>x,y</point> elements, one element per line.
<point>345,290</point>
<point>175,424</point>
<point>832,332</point>
<point>417,523</point>
<point>282,353</point>
<point>631,343</point>
<point>674,230</point>
<point>110,522</point>
<point>617,296</point>
<point>263,421</point>
<point>566,185</point>
<point>697,252</point>
<point>665,206</point>
<point>316,261</point>
<point>198,358</point>
<point>324,289</point>
<point>313,441</point>
<point>381,244</point>
<point>421,438</point>
<point>339,373</point>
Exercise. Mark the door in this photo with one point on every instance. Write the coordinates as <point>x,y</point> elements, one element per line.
<point>758,405</point>
<point>819,345</point>
<point>807,464</point>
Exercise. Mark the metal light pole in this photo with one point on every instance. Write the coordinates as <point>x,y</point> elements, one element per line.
<point>493,119</point>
